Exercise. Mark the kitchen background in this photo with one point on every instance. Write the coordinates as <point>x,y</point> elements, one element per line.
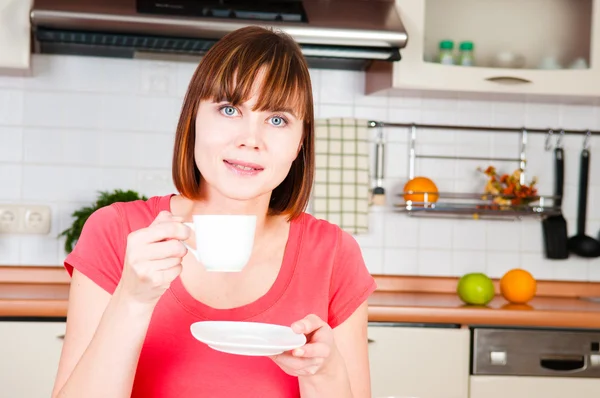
<point>81,125</point>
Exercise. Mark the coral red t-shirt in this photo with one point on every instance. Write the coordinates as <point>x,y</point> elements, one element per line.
<point>323,272</point>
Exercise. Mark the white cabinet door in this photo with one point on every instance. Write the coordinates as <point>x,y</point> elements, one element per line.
<point>533,387</point>
<point>29,355</point>
<point>419,362</point>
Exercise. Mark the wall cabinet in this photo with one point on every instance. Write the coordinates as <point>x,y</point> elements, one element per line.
<point>418,362</point>
<point>29,355</point>
<point>515,46</point>
<point>15,37</point>
<point>533,387</point>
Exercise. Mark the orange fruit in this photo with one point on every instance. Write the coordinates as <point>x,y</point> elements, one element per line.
<point>518,286</point>
<point>414,190</point>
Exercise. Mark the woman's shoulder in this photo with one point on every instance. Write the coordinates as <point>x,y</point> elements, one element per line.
<point>325,233</point>
<point>131,215</point>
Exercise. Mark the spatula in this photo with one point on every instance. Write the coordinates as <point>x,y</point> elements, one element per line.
<point>555,225</point>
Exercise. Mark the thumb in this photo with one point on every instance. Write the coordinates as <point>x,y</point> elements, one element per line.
<point>165,216</point>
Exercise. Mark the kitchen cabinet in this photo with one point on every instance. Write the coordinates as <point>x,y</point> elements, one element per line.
<point>567,31</point>
<point>15,37</point>
<point>29,353</point>
<point>418,361</point>
<point>533,387</point>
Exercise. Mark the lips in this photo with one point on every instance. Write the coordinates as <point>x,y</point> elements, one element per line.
<point>243,168</point>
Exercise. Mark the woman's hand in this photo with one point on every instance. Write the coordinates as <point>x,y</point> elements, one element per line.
<point>153,259</point>
<point>317,356</point>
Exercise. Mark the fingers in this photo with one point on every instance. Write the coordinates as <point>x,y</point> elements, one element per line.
<point>299,365</point>
<point>164,216</point>
<point>309,324</point>
<point>161,250</point>
<point>160,231</point>
<point>314,350</point>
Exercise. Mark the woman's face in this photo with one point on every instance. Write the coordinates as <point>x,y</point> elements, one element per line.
<point>245,154</point>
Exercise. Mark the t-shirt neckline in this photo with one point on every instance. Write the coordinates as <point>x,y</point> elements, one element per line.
<point>260,305</point>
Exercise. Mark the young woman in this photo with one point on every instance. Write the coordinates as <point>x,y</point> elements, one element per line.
<point>244,145</point>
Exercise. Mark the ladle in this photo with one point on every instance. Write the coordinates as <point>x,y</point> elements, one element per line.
<point>581,244</point>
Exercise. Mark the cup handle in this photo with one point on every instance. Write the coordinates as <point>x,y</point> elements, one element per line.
<point>194,252</point>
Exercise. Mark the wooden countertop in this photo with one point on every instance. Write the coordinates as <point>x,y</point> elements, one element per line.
<point>43,292</point>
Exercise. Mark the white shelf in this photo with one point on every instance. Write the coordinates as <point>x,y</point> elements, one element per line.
<point>565,29</point>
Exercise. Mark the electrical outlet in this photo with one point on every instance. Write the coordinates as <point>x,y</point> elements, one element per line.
<point>9,219</point>
<point>25,219</point>
<point>36,219</point>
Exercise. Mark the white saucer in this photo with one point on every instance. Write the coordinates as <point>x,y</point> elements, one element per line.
<point>247,338</point>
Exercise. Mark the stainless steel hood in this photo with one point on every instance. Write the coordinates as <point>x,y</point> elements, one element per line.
<point>339,34</point>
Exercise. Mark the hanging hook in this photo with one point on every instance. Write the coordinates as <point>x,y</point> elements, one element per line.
<point>586,140</point>
<point>547,145</point>
<point>559,139</point>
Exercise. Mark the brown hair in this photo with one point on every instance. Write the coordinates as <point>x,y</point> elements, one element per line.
<point>227,72</point>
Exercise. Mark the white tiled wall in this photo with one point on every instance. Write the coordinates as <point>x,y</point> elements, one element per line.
<point>85,124</point>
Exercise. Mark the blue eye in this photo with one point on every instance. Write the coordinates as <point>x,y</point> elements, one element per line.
<point>228,110</point>
<point>278,121</point>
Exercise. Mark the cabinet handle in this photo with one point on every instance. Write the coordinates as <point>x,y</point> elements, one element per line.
<point>370,341</point>
<point>507,80</point>
<point>60,337</point>
<point>563,363</point>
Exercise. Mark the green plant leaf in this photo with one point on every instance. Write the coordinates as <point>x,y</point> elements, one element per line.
<point>80,216</point>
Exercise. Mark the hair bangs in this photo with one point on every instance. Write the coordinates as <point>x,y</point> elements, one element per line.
<point>276,77</point>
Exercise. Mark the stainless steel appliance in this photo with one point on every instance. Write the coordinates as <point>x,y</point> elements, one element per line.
<point>532,363</point>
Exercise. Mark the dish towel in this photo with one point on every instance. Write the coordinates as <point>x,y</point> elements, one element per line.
<point>342,187</point>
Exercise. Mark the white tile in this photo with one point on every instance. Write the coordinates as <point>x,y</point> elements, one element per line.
<point>373,259</point>
<point>62,146</point>
<point>10,247</point>
<point>158,78</point>
<point>503,236</point>
<point>532,239</point>
<point>464,262</point>
<point>122,149</point>
<point>499,262</point>
<point>62,109</point>
<point>374,238</point>
<point>578,117</point>
<point>155,182</point>
<point>124,179</point>
<point>435,234</point>
<point>39,250</point>
<point>439,116</point>
<point>371,113</point>
<point>372,100</point>
<point>315,82</point>
<point>61,183</point>
<point>575,269</point>
<point>338,87</point>
<point>120,112</point>
<point>159,114</point>
<point>396,160</point>
<point>400,231</point>
<point>11,149</point>
<point>11,107</point>
<point>435,262</point>
<point>405,101</point>
<point>155,150</point>
<point>469,235</point>
<point>335,111</point>
<point>400,261</point>
<point>185,72</point>
<point>404,115</point>
<point>425,137</point>
<point>539,267</point>
<point>540,115</point>
<point>10,181</point>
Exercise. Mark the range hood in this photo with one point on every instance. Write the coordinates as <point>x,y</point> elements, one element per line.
<point>338,34</point>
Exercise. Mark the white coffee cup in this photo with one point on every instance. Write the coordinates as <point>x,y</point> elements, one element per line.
<point>223,242</point>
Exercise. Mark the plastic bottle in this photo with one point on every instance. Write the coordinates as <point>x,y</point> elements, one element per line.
<point>446,55</point>
<point>466,57</point>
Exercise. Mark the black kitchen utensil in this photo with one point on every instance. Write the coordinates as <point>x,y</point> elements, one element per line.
<point>581,244</point>
<point>555,225</point>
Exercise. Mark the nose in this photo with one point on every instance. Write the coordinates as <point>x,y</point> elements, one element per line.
<point>250,136</point>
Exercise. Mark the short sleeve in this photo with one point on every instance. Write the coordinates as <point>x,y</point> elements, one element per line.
<point>100,249</point>
<point>351,282</point>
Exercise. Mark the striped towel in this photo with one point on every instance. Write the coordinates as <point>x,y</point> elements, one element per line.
<point>342,187</point>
